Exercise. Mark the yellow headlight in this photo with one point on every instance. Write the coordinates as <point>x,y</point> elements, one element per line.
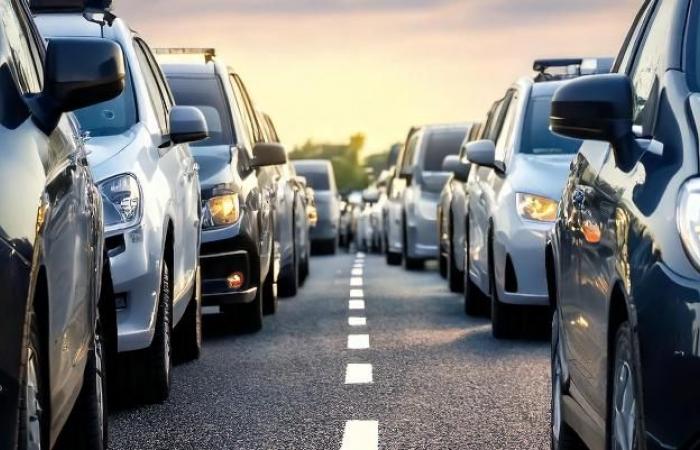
<point>224,209</point>
<point>535,207</point>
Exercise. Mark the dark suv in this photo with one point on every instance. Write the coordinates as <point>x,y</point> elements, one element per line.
<point>51,239</point>
<point>238,257</point>
<point>624,258</point>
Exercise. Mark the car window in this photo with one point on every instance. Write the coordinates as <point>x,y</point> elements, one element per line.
<point>25,53</point>
<point>152,86</point>
<point>208,95</point>
<point>439,145</point>
<point>242,111</point>
<point>649,62</point>
<point>537,139</point>
<point>257,133</point>
<point>628,49</point>
<point>410,152</point>
<point>504,140</point>
<point>163,87</point>
<point>319,181</point>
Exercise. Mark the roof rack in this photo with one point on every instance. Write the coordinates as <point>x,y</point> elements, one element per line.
<point>208,53</point>
<point>69,5</point>
<point>571,67</point>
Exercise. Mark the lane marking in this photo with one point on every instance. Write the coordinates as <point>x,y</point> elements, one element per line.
<point>357,304</point>
<point>357,271</point>
<point>358,341</point>
<point>357,293</point>
<point>357,321</point>
<point>358,374</point>
<point>211,309</point>
<point>358,265</point>
<point>360,255</point>
<point>356,281</point>
<point>361,435</point>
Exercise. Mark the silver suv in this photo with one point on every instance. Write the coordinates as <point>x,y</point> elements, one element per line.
<point>150,191</point>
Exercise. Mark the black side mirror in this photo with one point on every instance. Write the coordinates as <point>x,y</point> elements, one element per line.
<point>269,154</point>
<point>79,72</point>
<point>187,124</point>
<point>456,166</point>
<point>482,153</point>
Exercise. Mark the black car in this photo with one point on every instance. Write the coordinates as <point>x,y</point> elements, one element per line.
<point>624,258</point>
<point>51,241</point>
<point>238,260</point>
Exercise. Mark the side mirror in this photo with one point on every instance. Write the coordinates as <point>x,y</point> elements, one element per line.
<point>79,72</point>
<point>187,124</point>
<point>482,153</point>
<point>370,196</point>
<point>269,154</point>
<point>407,173</point>
<point>454,164</point>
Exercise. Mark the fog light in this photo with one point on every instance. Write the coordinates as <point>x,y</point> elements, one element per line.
<point>235,280</point>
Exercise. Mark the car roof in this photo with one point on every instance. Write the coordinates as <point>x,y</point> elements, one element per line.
<point>75,25</point>
<point>190,69</point>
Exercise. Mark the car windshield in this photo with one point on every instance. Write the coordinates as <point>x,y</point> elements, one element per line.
<point>112,117</point>
<point>537,139</point>
<point>208,95</point>
<point>317,180</point>
<point>440,145</point>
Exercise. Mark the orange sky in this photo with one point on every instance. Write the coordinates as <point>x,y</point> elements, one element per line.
<point>325,69</point>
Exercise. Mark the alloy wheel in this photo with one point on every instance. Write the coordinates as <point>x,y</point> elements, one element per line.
<point>625,409</point>
<point>33,410</point>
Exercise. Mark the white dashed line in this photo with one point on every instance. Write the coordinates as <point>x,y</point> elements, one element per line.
<point>357,293</point>
<point>360,255</point>
<point>355,281</point>
<point>357,304</point>
<point>357,272</point>
<point>358,341</point>
<point>358,374</point>
<point>361,435</point>
<point>357,321</point>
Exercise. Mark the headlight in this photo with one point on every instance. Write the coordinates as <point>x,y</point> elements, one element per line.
<point>537,208</point>
<point>121,200</point>
<point>688,218</point>
<point>221,211</point>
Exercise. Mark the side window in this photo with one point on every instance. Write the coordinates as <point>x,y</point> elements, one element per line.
<point>649,64</point>
<point>257,134</point>
<point>243,111</point>
<point>23,47</point>
<point>505,137</point>
<point>163,86</point>
<point>628,49</point>
<point>410,153</point>
<point>154,94</point>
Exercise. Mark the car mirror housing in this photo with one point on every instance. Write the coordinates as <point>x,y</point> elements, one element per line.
<point>482,153</point>
<point>187,124</point>
<point>79,72</point>
<point>269,154</point>
<point>370,196</point>
<point>456,166</point>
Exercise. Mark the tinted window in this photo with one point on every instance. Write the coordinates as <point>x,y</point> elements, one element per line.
<point>537,139</point>
<point>111,117</point>
<point>440,145</point>
<point>22,47</point>
<point>317,180</point>
<point>208,95</point>
<point>152,86</point>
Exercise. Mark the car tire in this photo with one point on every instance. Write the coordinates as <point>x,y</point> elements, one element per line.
<point>623,380</point>
<point>393,259</point>
<point>188,333</point>
<point>87,426</point>
<point>442,263</point>
<point>455,278</point>
<point>269,288</point>
<point>32,423</point>
<point>562,436</point>
<point>290,280</point>
<point>474,300</point>
<point>503,316</point>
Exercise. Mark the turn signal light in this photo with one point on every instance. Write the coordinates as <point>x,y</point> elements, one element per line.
<point>235,280</point>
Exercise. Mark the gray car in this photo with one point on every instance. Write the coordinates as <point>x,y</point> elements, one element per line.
<point>147,177</point>
<point>320,176</point>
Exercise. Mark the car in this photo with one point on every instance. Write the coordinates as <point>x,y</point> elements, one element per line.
<point>451,214</point>
<point>367,239</point>
<point>238,231</point>
<point>291,221</point>
<point>53,318</point>
<point>412,225</point>
<point>512,197</point>
<point>622,261</point>
<point>321,178</point>
<point>142,164</point>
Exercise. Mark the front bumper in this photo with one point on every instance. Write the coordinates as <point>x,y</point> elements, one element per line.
<point>325,230</point>
<point>422,238</point>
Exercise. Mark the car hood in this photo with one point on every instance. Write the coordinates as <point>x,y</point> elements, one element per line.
<point>214,165</point>
<point>540,174</point>
<point>103,148</point>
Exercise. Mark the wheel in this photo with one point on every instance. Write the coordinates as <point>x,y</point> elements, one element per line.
<point>188,333</point>
<point>269,287</point>
<point>442,263</point>
<point>86,428</point>
<point>455,278</point>
<point>148,373</point>
<point>393,259</point>
<point>562,436</point>
<point>474,300</point>
<point>32,423</point>
<point>625,416</point>
<point>290,279</point>
<point>503,316</point>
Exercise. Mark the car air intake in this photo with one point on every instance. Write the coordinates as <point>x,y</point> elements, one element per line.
<point>68,5</point>
<point>511,283</point>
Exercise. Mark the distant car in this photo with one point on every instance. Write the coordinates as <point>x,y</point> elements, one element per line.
<point>451,215</point>
<point>238,235</point>
<point>320,176</point>
<point>52,316</point>
<point>368,232</point>
<point>624,256</point>
<point>412,227</point>
<point>513,193</point>
<point>148,181</point>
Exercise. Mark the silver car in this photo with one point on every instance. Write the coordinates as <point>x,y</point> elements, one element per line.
<point>320,176</point>
<point>150,192</point>
<point>513,193</point>
<point>412,218</point>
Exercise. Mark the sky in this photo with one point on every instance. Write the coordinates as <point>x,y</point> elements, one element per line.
<point>326,69</point>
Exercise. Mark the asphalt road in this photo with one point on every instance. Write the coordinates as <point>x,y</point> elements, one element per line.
<point>438,379</point>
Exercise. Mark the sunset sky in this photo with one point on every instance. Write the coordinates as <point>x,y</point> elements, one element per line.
<point>325,69</point>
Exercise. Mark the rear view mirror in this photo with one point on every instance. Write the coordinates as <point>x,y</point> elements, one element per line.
<point>482,153</point>
<point>454,165</point>
<point>269,154</point>
<point>187,124</point>
<point>79,72</point>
